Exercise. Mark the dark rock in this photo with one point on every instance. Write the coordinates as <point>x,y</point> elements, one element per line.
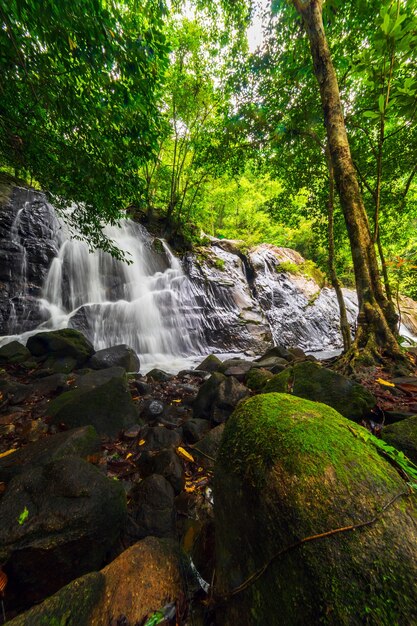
<point>77,442</point>
<point>290,469</point>
<point>238,371</point>
<point>108,407</point>
<point>122,356</point>
<point>58,521</point>
<point>391,417</point>
<point>277,351</point>
<point>142,388</point>
<point>132,432</point>
<point>159,376</point>
<point>93,379</point>
<point>159,438</point>
<point>60,365</point>
<point>203,404</point>
<point>298,354</point>
<point>271,363</point>
<point>49,384</point>
<point>61,343</point>
<point>152,409</point>
<point>256,379</point>
<point>14,352</point>
<point>152,504</point>
<point>403,436</point>
<point>14,392</point>
<point>167,464</point>
<point>217,397</point>
<point>210,364</point>
<point>150,574</point>
<point>194,429</point>
<point>314,382</point>
<point>207,448</point>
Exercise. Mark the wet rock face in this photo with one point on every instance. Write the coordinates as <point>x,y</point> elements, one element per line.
<point>29,235</point>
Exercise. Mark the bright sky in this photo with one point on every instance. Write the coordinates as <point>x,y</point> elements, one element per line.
<point>255,36</point>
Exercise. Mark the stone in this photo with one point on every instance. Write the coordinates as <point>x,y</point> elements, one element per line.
<point>217,397</point>
<point>58,521</point>
<point>93,379</point>
<point>108,407</point>
<point>238,371</point>
<point>167,464</point>
<point>61,343</point>
<point>278,351</point>
<point>77,442</point>
<point>49,384</point>
<point>315,382</point>
<point>207,448</point>
<point>159,438</point>
<point>211,363</point>
<point>152,409</point>
<point>121,355</point>
<point>14,392</point>
<point>194,429</point>
<point>150,573</point>
<point>159,376</point>
<point>257,378</point>
<point>60,365</point>
<point>403,436</point>
<point>289,469</point>
<point>14,352</point>
<point>275,364</point>
<point>152,506</point>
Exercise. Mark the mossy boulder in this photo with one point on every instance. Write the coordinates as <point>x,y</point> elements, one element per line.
<point>315,382</point>
<point>256,379</point>
<point>403,436</point>
<point>14,352</point>
<point>211,363</point>
<point>108,407</point>
<point>58,521</point>
<point>61,343</point>
<point>121,355</point>
<point>141,581</point>
<point>289,469</point>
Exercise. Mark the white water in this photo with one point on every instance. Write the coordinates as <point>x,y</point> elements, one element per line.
<point>147,304</point>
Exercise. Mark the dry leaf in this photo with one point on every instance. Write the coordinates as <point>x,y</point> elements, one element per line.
<point>141,442</point>
<point>185,455</point>
<point>386,383</point>
<point>3,454</point>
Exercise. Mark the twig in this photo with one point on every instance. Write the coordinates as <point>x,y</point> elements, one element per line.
<point>256,575</point>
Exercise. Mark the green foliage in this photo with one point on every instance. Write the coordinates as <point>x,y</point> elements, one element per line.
<point>23,516</point>
<point>307,268</point>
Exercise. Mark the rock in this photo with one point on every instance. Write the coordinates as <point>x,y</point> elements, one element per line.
<point>59,520</point>
<point>403,436</point>
<point>132,432</point>
<point>142,388</point>
<point>60,365</point>
<point>61,343</point>
<point>314,382</point>
<point>108,407</point>
<point>150,573</point>
<point>256,379</point>
<point>217,397</point>
<point>77,442</point>
<point>207,448</point>
<point>122,356</point>
<point>159,438</point>
<point>289,469</point>
<point>159,376</point>
<point>14,352</point>
<point>298,354</point>
<point>14,392</point>
<point>49,384</point>
<point>90,379</point>
<point>167,464</point>
<point>238,371</point>
<point>275,364</point>
<point>278,351</point>
<point>152,409</point>
<point>210,364</point>
<point>152,504</point>
<point>194,429</point>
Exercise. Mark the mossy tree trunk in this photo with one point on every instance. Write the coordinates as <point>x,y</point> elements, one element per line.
<point>377,319</point>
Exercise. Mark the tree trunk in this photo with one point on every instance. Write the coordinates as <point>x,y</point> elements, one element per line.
<point>344,324</point>
<point>377,319</point>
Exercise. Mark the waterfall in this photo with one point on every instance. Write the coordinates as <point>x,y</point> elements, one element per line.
<point>146,302</point>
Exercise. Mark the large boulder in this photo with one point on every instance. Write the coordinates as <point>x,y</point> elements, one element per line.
<point>141,581</point>
<point>152,505</point>
<point>14,352</point>
<point>58,521</point>
<point>61,343</point>
<point>314,382</point>
<point>290,469</point>
<point>77,442</point>
<point>121,355</point>
<point>403,436</point>
<point>217,397</point>
<point>107,406</point>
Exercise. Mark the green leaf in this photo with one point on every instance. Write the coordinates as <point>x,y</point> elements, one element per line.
<point>23,516</point>
<point>381,103</point>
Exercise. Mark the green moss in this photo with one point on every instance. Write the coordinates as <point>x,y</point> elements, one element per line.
<point>307,435</point>
<point>219,264</point>
<point>257,378</point>
<point>306,268</point>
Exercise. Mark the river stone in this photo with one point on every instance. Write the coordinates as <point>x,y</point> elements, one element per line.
<point>159,438</point>
<point>121,355</point>
<point>194,429</point>
<point>14,352</point>
<point>278,351</point>
<point>61,343</point>
<point>159,375</point>
<point>74,515</point>
<point>217,397</point>
<point>314,382</point>
<point>289,469</point>
<point>167,464</point>
<point>403,436</point>
<point>152,506</point>
<point>77,442</point>
<point>211,363</point>
<point>256,378</point>
<point>108,407</point>
<point>142,580</point>
<point>207,448</point>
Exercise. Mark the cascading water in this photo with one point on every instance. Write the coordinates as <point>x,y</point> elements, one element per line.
<point>146,303</point>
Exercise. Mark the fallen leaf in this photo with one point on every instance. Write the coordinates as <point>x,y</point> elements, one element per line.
<point>386,383</point>
<point>141,442</point>
<point>185,455</point>
<point>129,455</point>
<point>3,454</point>
<point>175,400</point>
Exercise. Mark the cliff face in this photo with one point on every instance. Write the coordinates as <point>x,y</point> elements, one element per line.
<point>218,296</point>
